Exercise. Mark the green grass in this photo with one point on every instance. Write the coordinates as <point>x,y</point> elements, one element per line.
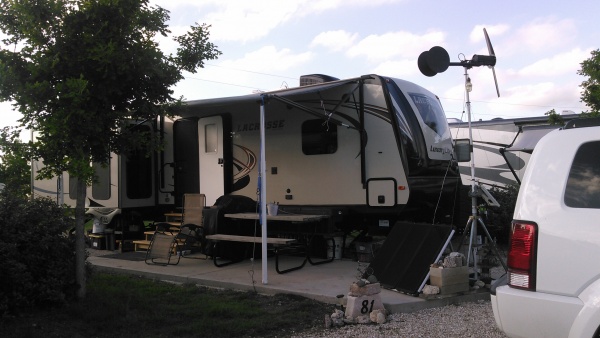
<point>129,306</point>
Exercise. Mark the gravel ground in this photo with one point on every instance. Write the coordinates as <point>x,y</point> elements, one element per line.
<point>464,320</point>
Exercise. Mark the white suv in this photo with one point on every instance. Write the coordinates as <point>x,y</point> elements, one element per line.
<point>554,254</point>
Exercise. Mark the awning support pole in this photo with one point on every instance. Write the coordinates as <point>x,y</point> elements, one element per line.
<point>263,194</point>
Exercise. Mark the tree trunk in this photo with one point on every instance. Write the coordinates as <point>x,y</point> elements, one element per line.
<point>80,255</point>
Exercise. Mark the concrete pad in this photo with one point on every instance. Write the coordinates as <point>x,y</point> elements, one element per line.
<point>320,282</point>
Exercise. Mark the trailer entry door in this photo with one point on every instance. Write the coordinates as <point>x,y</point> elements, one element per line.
<point>210,146</point>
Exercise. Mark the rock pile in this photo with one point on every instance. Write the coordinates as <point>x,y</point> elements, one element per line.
<point>363,305</point>
<point>451,275</point>
<point>454,260</point>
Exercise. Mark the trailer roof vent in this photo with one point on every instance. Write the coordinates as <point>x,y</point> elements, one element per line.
<point>312,79</point>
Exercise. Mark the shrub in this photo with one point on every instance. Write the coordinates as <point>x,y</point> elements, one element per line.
<point>502,216</point>
<point>37,260</point>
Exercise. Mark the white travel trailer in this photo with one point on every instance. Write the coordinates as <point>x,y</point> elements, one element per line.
<point>368,151</point>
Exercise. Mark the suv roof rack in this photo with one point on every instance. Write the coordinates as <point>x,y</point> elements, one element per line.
<point>583,122</point>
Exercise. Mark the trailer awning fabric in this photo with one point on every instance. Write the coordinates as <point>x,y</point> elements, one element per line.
<point>218,104</point>
<point>529,137</point>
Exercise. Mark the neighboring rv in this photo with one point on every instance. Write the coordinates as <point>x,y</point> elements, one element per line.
<point>501,147</point>
<point>366,151</point>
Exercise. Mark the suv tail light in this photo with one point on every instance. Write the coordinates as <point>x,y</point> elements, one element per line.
<point>521,255</point>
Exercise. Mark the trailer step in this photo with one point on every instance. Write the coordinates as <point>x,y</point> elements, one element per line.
<point>141,245</point>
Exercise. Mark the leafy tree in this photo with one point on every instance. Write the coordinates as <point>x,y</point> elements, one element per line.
<point>591,89</point>
<point>591,86</point>
<point>80,70</point>
<point>15,172</point>
<point>502,216</point>
<point>554,118</point>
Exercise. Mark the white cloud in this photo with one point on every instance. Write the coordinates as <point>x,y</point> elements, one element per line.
<point>248,21</point>
<point>334,40</point>
<point>564,63</point>
<point>312,5</point>
<point>254,71</point>
<point>532,94</point>
<point>236,20</point>
<point>477,35</point>
<point>379,48</point>
<point>539,36</point>
<point>242,20</point>
<point>540,97</point>
<point>269,58</point>
<point>323,5</point>
<point>400,68</point>
<point>545,33</point>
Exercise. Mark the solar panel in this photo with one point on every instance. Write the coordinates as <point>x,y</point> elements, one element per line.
<point>402,263</point>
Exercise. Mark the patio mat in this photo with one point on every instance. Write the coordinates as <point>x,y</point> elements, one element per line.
<point>128,256</point>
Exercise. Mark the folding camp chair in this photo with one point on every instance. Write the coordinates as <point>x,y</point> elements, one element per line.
<point>193,204</point>
<point>190,239</point>
<point>162,246</point>
<point>191,234</point>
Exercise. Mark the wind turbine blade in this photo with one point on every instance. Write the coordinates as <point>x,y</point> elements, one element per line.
<point>488,43</point>
<point>496,81</point>
<point>491,52</point>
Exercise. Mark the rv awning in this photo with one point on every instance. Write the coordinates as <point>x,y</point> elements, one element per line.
<point>529,137</point>
<point>216,104</point>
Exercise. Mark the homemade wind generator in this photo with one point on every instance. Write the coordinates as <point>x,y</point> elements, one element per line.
<point>436,60</point>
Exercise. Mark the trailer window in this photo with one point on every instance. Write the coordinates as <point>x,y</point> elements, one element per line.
<point>406,135</point>
<point>431,112</point>
<point>101,186</point>
<point>407,124</point>
<point>72,187</point>
<point>211,140</point>
<point>583,184</point>
<point>319,137</point>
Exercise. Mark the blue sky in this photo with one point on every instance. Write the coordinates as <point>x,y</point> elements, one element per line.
<point>268,44</point>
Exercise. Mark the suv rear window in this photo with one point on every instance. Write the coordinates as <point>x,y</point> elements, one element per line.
<point>583,185</point>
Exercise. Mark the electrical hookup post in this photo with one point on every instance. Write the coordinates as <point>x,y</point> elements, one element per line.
<point>434,61</point>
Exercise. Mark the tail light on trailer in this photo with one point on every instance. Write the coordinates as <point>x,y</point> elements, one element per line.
<point>522,255</point>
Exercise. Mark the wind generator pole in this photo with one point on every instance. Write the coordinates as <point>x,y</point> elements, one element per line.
<point>472,219</point>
